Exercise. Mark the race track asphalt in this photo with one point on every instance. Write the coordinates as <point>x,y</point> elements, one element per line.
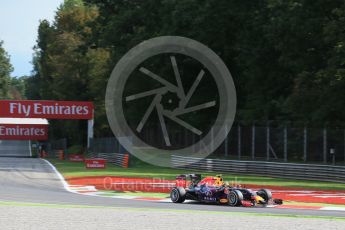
<point>33,180</point>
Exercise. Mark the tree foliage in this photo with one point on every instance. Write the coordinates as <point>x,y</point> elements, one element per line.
<point>287,57</point>
<point>5,71</point>
<point>67,66</point>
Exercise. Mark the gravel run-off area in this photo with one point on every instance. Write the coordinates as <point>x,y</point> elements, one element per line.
<point>60,217</point>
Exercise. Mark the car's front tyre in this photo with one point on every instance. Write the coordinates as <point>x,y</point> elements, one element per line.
<point>235,198</point>
<point>265,194</point>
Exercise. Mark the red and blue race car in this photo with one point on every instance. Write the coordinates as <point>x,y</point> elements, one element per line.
<point>215,190</point>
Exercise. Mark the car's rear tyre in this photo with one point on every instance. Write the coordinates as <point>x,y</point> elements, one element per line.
<point>235,198</point>
<point>178,195</point>
<point>265,194</point>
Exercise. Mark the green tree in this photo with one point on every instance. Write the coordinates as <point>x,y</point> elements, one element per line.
<point>68,66</point>
<point>17,88</point>
<point>286,57</point>
<point>318,88</point>
<point>5,71</point>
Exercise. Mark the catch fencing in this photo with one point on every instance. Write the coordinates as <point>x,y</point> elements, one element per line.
<point>56,148</point>
<point>284,143</point>
<point>105,145</point>
<point>269,141</point>
<point>110,149</point>
<point>273,169</point>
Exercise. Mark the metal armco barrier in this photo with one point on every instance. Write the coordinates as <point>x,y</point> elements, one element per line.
<point>272,169</point>
<point>118,159</point>
<point>59,153</point>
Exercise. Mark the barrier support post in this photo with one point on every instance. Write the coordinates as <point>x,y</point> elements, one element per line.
<point>268,142</point>
<point>285,144</point>
<point>90,124</point>
<point>305,143</point>
<point>226,142</point>
<point>324,145</point>
<point>239,141</point>
<point>253,141</point>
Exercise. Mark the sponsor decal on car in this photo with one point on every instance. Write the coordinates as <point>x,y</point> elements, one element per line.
<point>209,198</point>
<point>223,201</point>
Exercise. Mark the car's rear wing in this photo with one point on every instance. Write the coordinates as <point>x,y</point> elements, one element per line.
<point>192,176</point>
<point>185,180</point>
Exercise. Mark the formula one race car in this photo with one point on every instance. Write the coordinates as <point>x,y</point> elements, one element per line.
<point>215,190</point>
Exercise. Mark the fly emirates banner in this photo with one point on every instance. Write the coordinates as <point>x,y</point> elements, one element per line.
<point>23,132</point>
<point>46,109</point>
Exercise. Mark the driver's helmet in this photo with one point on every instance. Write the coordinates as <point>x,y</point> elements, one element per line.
<point>218,180</point>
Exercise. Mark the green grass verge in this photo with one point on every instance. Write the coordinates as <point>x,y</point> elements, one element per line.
<point>74,169</point>
<point>20,204</point>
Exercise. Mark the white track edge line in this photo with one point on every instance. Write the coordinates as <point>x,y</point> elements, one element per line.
<point>333,209</point>
<point>62,179</point>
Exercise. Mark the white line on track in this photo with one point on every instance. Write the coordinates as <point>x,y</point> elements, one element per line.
<point>333,209</point>
<point>62,179</point>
